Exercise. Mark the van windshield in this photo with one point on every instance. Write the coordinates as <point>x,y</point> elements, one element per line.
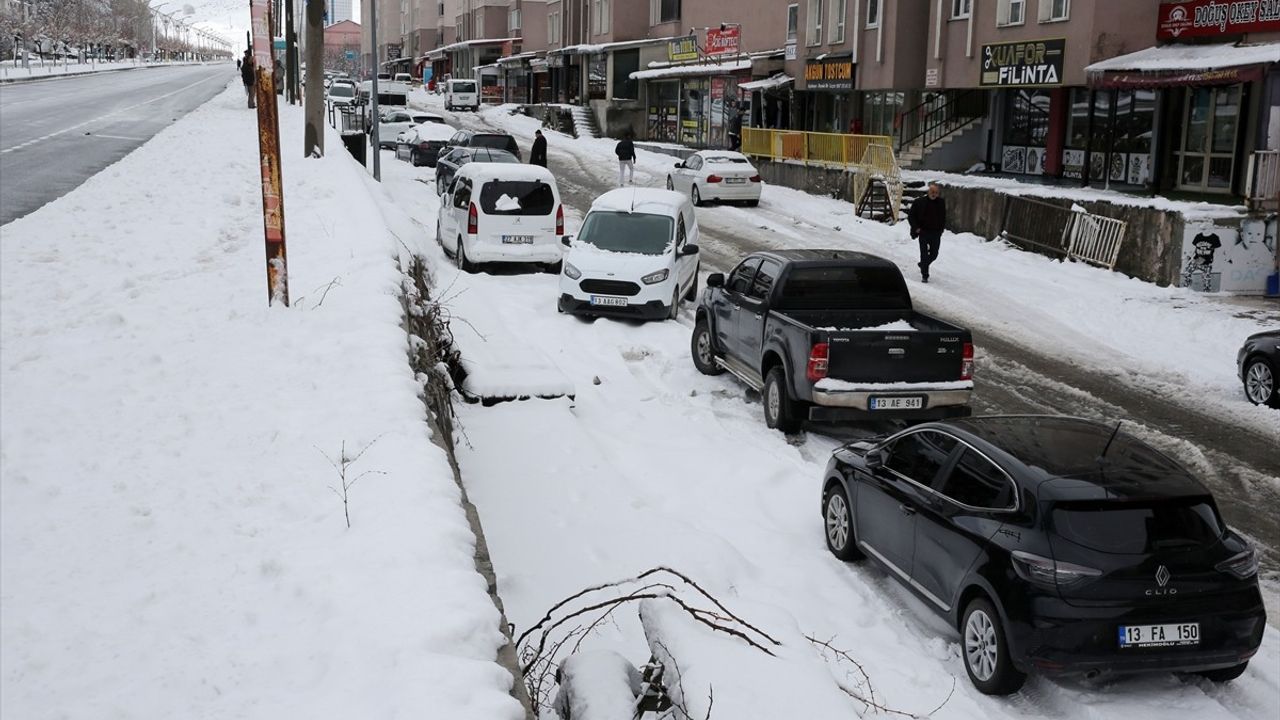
<point>625,232</point>
<point>467,86</point>
<point>341,90</point>
<point>1138,527</point>
<point>517,197</point>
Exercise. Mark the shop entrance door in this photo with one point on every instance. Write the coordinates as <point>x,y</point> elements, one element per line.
<point>1211,119</point>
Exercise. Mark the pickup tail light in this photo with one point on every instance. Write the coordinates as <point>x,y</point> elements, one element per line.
<point>755,178</point>
<point>559,220</point>
<point>473,220</point>
<point>817,367</point>
<point>966,362</point>
<point>714,178</point>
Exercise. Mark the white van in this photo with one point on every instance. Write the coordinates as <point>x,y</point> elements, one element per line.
<point>635,256</point>
<point>502,212</point>
<point>462,94</point>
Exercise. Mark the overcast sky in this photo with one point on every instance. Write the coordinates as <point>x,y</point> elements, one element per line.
<point>228,18</point>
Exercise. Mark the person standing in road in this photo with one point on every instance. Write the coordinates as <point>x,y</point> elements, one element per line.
<point>626,153</point>
<point>928,218</point>
<point>538,155</point>
<point>247,77</point>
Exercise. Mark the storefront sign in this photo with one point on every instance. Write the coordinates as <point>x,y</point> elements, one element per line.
<point>393,52</point>
<point>682,49</point>
<point>1211,18</point>
<point>931,77</point>
<point>1172,78</point>
<point>555,61</point>
<point>723,42</point>
<point>539,65</point>
<point>790,53</point>
<point>1023,64</point>
<point>829,75</point>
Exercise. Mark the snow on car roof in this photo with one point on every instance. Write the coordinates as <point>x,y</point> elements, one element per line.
<point>434,131</point>
<point>650,200</point>
<point>508,171</point>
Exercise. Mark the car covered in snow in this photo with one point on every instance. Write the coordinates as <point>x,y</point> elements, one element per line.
<point>422,144</point>
<point>636,255</point>
<point>716,175</point>
<point>395,121</point>
<point>831,335</point>
<point>1257,364</point>
<point>499,212</point>
<point>1052,544</point>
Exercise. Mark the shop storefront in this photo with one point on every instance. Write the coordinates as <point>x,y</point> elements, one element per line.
<point>540,90</point>
<point>1031,104</point>
<point>693,104</point>
<point>770,101</point>
<point>825,104</point>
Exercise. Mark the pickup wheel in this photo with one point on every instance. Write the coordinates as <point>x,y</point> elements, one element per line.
<point>704,355</point>
<point>780,411</point>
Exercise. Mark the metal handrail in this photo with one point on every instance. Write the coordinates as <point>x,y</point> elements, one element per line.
<point>933,122</point>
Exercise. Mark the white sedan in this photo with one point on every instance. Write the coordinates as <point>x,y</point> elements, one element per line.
<point>395,122</point>
<point>720,175</point>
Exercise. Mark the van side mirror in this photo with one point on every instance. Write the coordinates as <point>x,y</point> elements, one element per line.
<point>565,240</point>
<point>679,165</point>
<point>689,249</point>
<point>874,459</point>
<point>715,280</point>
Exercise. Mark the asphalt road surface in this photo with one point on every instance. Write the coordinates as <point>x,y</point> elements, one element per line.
<point>55,134</point>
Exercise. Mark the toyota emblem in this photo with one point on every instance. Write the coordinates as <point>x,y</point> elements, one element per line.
<point>1162,576</point>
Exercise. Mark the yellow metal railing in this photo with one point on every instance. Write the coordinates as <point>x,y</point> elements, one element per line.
<point>871,157</point>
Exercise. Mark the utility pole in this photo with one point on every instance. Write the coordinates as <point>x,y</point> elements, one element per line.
<point>373,94</point>
<point>313,98</point>
<point>290,54</point>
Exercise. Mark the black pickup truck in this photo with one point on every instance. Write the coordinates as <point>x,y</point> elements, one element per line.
<point>830,335</point>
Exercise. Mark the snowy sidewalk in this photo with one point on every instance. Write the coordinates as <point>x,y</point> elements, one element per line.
<point>170,543</point>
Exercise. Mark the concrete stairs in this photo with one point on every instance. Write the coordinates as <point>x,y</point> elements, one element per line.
<point>913,156</point>
<point>584,123</point>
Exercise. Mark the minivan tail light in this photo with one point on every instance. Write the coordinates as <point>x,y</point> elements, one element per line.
<point>1242,566</point>
<point>473,220</point>
<point>817,367</point>
<point>966,362</point>
<point>559,220</point>
<point>1050,573</point>
<point>714,178</point>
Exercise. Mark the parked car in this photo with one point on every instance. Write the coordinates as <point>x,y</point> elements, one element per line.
<point>500,141</point>
<point>635,256</point>
<point>449,162</point>
<point>392,123</point>
<point>422,144</point>
<point>831,335</point>
<point>426,117</point>
<point>1257,366</point>
<point>719,175</point>
<point>405,78</point>
<point>1053,545</point>
<point>502,212</point>
<point>461,94</point>
<point>341,93</point>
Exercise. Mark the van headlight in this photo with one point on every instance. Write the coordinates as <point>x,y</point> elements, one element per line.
<point>655,277</point>
<point>572,272</point>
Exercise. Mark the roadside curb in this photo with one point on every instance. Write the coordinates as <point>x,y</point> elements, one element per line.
<point>65,76</point>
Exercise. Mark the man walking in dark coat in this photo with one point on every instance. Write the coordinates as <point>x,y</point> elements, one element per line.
<point>247,76</point>
<point>928,218</point>
<point>626,152</point>
<point>538,155</point>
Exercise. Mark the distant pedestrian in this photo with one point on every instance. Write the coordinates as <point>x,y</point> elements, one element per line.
<point>247,77</point>
<point>277,77</point>
<point>626,153</point>
<point>735,131</point>
<point>538,155</point>
<point>238,64</point>
<point>928,218</point>
<point>855,126</point>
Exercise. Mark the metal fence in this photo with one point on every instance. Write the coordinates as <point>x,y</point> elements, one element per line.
<point>1073,234</point>
<point>1264,180</point>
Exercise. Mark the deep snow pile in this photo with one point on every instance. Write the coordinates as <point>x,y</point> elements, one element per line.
<point>170,544</point>
<point>654,464</point>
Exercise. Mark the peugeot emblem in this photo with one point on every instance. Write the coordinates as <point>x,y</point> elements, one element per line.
<point>1162,576</point>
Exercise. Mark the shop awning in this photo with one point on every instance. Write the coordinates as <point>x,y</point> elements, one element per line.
<point>518,58</point>
<point>724,68</point>
<point>597,48</point>
<point>768,83</point>
<point>1172,65</point>
<point>476,43</point>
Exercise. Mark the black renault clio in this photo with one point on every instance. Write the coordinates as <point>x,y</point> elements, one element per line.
<point>1054,545</point>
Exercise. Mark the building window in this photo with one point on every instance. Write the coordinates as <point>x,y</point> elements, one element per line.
<point>793,21</point>
<point>553,27</point>
<point>1054,10</point>
<point>460,31</point>
<point>600,16</point>
<point>960,9</point>
<point>839,8</point>
<point>813,23</point>
<point>625,62</point>
<point>513,22</point>
<point>1011,12</point>
<point>664,11</point>
<point>873,13</point>
<point>480,24</point>
<point>440,9</point>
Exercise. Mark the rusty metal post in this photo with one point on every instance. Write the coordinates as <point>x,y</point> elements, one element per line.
<point>269,153</point>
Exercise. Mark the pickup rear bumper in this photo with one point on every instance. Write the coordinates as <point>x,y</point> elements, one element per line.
<point>855,404</point>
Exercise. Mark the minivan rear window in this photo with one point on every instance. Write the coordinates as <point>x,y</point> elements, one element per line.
<point>517,197</point>
<point>844,288</point>
<point>464,87</point>
<point>1138,528</point>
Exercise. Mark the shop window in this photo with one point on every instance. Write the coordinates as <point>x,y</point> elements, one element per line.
<point>1026,131</point>
<point>873,13</point>
<point>597,76</point>
<point>625,62</point>
<point>1206,157</point>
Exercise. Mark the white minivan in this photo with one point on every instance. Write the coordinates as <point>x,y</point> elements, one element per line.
<point>502,212</point>
<point>462,94</point>
<point>635,256</point>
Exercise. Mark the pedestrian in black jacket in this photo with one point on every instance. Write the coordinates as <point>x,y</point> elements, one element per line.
<point>538,155</point>
<point>928,218</point>
<point>247,76</point>
<point>626,153</point>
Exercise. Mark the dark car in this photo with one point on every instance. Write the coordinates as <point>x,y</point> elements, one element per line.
<point>1256,366</point>
<point>448,163</point>
<point>497,141</point>
<point>1053,544</point>
<point>831,335</point>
